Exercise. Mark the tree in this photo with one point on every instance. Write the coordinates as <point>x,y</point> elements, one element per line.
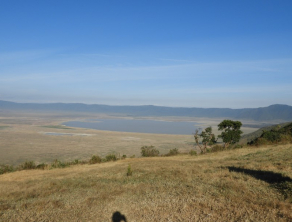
<point>197,135</point>
<point>231,131</point>
<point>208,138</point>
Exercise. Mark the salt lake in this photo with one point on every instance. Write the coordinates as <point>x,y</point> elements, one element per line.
<point>136,125</point>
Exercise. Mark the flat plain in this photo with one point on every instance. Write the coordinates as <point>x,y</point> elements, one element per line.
<point>40,137</point>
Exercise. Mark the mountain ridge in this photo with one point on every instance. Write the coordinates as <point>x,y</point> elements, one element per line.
<point>272,112</point>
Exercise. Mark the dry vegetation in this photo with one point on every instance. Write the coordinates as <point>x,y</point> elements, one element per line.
<point>249,184</point>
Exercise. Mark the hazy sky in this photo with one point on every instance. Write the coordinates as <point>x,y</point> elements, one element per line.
<point>234,54</point>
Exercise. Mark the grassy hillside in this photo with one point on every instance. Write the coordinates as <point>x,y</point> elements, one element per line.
<point>249,184</point>
<point>283,131</point>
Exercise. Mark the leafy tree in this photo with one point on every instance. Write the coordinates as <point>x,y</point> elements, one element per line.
<point>231,131</point>
<point>208,138</point>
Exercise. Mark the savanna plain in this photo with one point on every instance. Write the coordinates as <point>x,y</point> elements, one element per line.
<point>246,184</point>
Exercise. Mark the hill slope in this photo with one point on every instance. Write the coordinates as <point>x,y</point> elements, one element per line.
<point>273,112</point>
<point>252,137</point>
<point>235,185</point>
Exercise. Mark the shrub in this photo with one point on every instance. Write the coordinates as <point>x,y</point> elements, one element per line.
<point>42,166</point>
<point>124,156</point>
<point>237,146</point>
<point>28,165</point>
<point>95,159</point>
<point>193,153</point>
<point>110,157</point>
<point>6,169</point>
<point>261,141</point>
<point>217,148</point>
<point>172,152</point>
<point>272,136</point>
<point>148,151</point>
<point>133,156</point>
<point>129,171</point>
<point>58,164</point>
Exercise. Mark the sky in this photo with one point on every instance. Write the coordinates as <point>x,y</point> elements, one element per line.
<point>225,54</point>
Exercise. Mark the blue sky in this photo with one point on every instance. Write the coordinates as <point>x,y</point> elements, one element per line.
<point>234,54</point>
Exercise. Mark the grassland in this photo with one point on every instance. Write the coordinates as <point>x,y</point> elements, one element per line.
<point>249,184</point>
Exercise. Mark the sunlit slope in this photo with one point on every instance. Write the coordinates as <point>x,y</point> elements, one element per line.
<point>250,184</point>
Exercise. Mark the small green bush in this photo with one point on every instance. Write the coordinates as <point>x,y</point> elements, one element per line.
<point>129,171</point>
<point>133,156</point>
<point>172,152</point>
<point>124,156</point>
<point>28,165</point>
<point>193,153</point>
<point>148,151</point>
<point>6,169</point>
<point>110,157</point>
<point>95,159</point>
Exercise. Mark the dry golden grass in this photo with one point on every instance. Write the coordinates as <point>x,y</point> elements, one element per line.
<point>225,186</point>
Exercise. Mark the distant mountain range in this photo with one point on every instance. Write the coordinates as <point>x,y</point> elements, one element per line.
<point>273,112</point>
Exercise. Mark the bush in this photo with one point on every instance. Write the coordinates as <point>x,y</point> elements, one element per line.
<point>95,159</point>
<point>6,169</point>
<point>129,171</point>
<point>193,153</point>
<point>148,151</point>
<point>42,166</point>
<point>110,157</point>
<point>261,141</point>
<point>59,164</point>
<point>273,136</point>
<point>237,146</point>
<point>28,165</point>
<point>124,156</point>
<point>217,148</point>
<point>172,152</point>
